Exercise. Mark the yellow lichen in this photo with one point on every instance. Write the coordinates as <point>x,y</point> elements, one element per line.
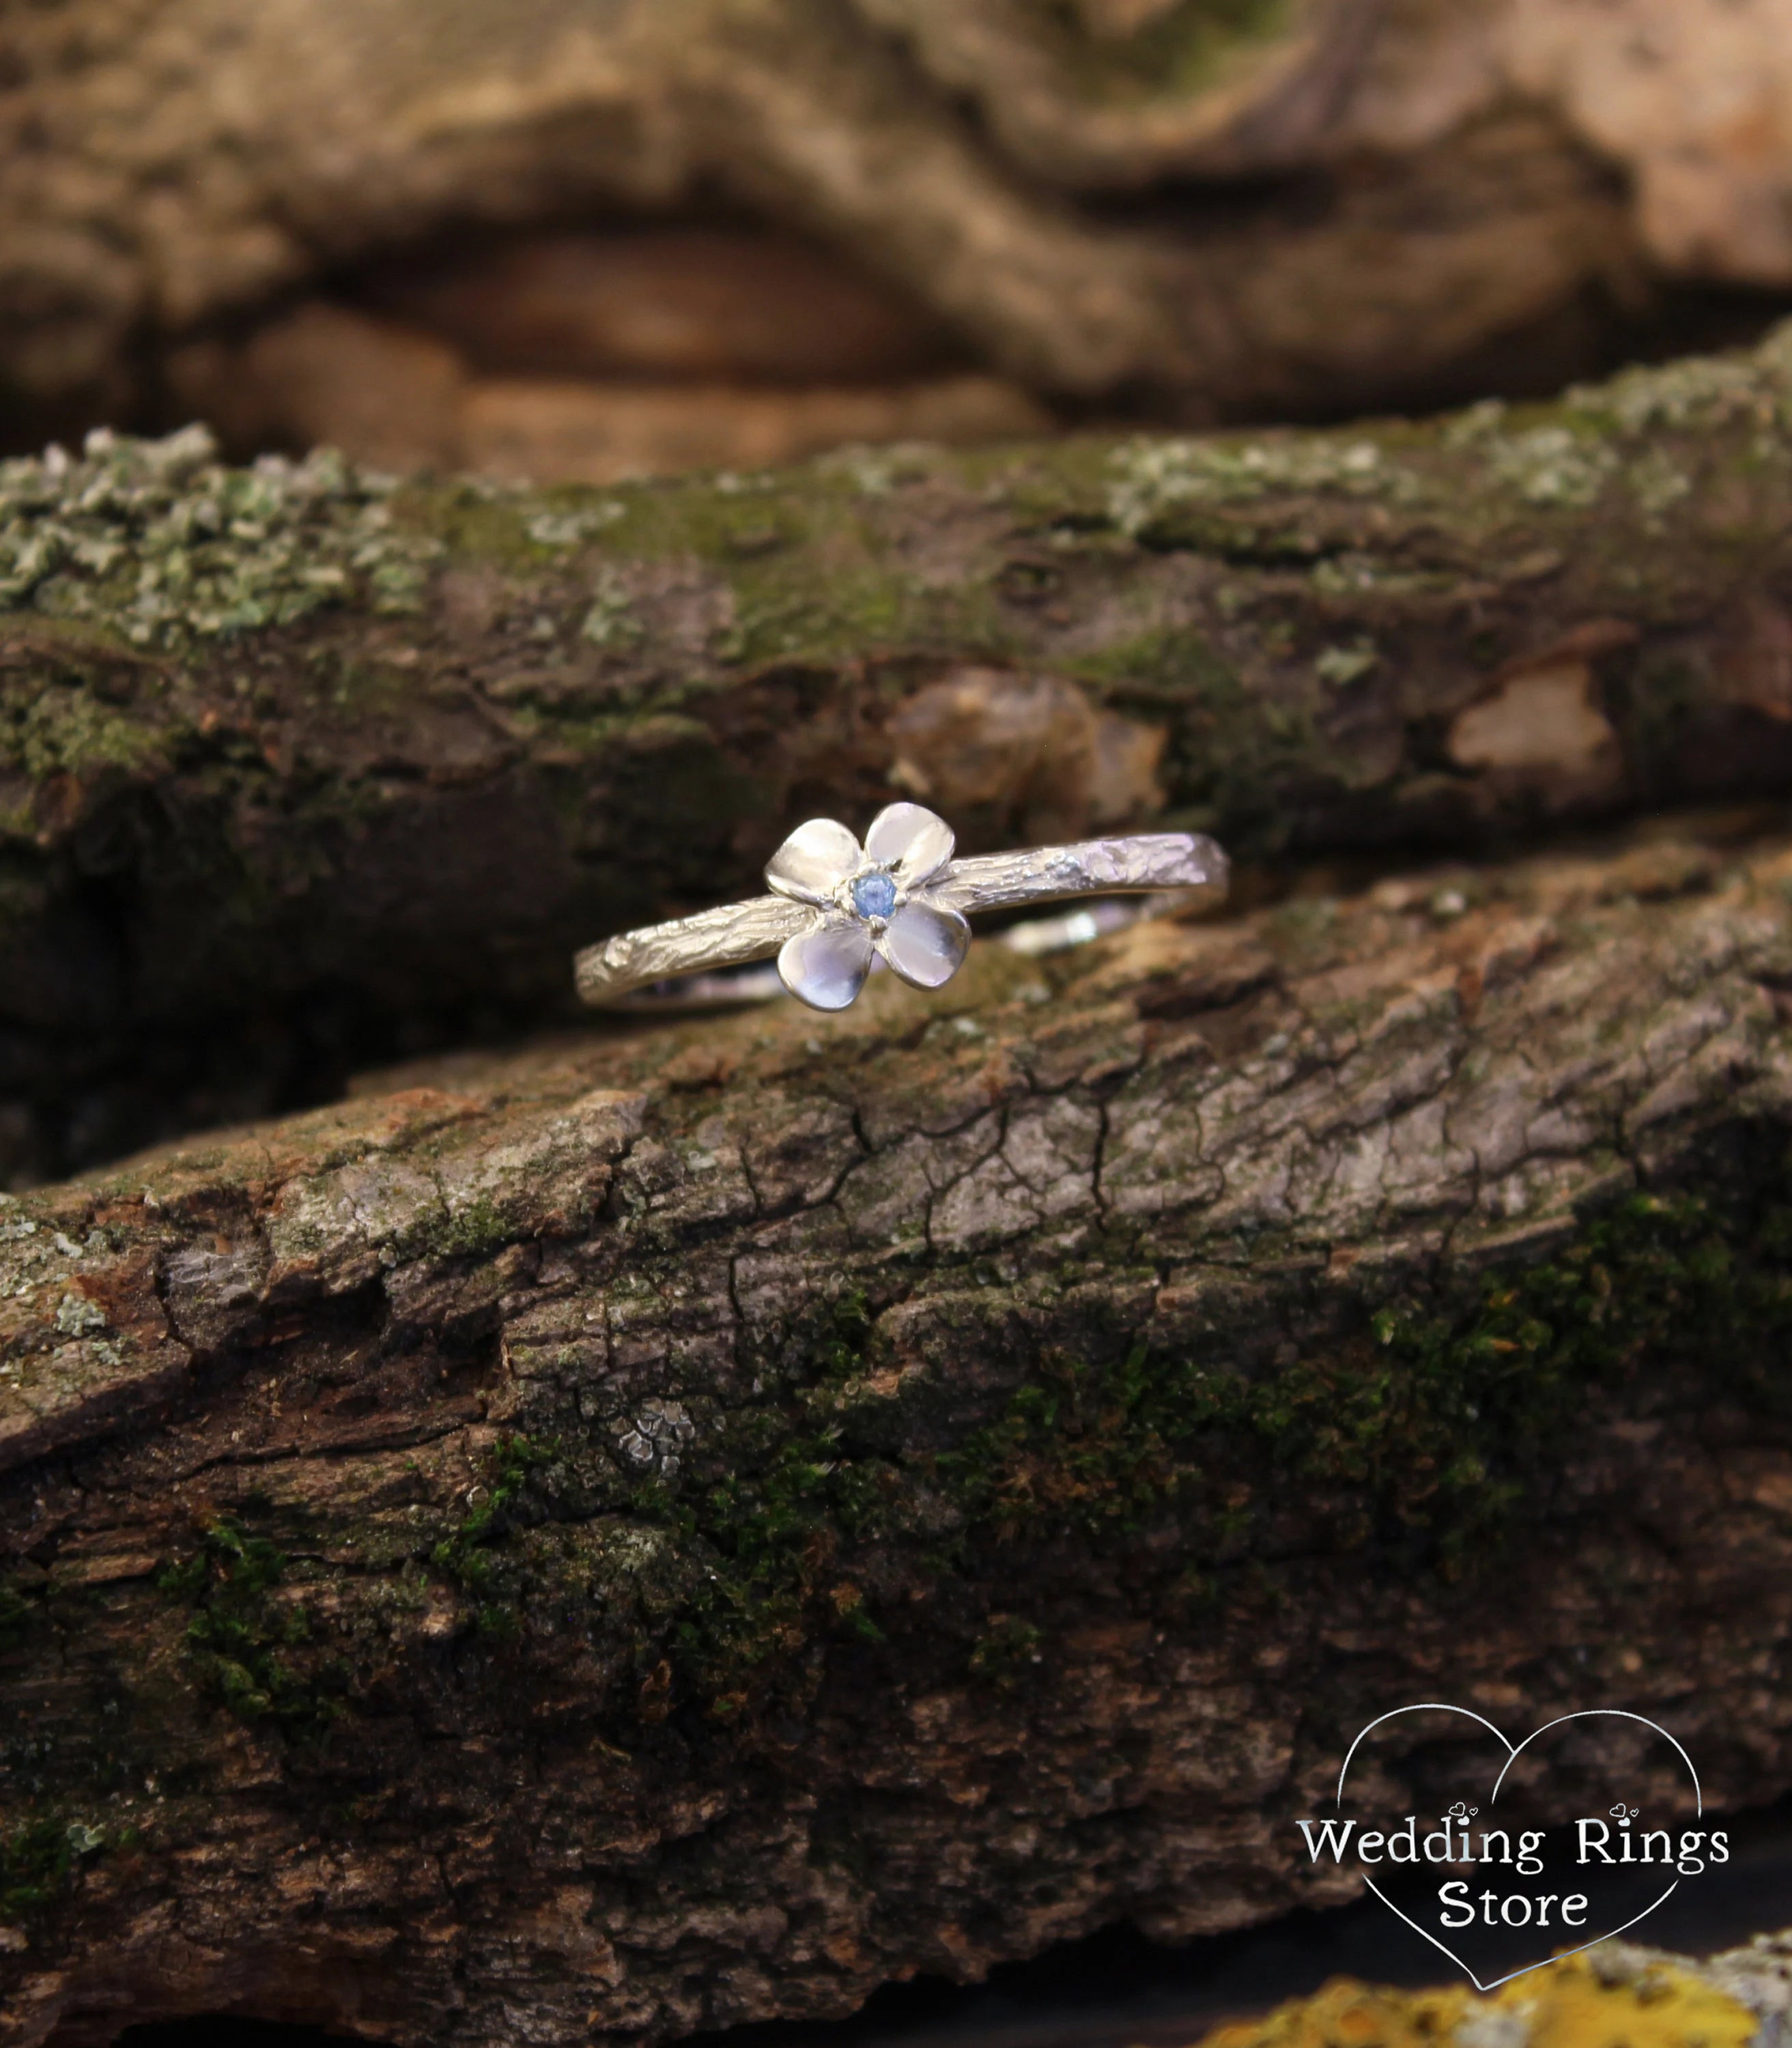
<point>1610,1997</point>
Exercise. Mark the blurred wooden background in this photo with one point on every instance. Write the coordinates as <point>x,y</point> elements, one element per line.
<point>566,239</point>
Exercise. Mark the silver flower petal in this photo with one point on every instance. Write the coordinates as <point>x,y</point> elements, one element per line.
<point>826,966</point>
<point>910,839</point>
<point>813,861</point>
<point>924,944</point>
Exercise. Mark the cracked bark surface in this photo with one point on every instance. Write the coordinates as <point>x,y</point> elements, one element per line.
<point>674,1528</point>
<point>299,773</point>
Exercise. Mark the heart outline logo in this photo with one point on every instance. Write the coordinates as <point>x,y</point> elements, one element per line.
<point>1513,1750</point>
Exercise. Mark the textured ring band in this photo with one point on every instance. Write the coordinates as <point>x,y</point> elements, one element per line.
<point>836,905</point>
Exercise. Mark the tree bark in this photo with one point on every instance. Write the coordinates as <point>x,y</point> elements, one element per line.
<point>299,773</point>
<point>680,1527</point>
<point>1326,204</point>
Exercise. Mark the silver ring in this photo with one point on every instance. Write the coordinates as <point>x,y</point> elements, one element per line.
<point>836,906</point>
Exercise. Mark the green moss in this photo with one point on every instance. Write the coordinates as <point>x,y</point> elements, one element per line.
<point>1007,1652</point>
<point>808,577</point>
<point>466,1555</point>
<point>19,1612</point>
<point>476,519</point>
<point>39,1859</point>
<point>771,1530</point>
<point>1432,1429</point>
<point>1424,1433</point>
<point>477,1227</point>
<point>841,1332</point>
<point>780,1530</point>
<point>1417,1427</point>
<point>60,727</point>
<point>1232,752</point>
<point>239,1636</point>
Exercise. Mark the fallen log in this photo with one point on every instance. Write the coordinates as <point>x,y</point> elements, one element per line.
<point>300,771</point>
<point>679,1527</point>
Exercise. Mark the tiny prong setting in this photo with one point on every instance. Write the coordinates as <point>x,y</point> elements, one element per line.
<point>873,894</point>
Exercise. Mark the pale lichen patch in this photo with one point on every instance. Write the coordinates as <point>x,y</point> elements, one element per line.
<point>1658,483</point>
<point>160,542</point>
<point>1696,391</point>
<point>1156,476</point>
<point>1551,465</point>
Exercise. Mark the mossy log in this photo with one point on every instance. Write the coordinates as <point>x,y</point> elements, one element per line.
<point>300,771</point>
<point>678,1528</point>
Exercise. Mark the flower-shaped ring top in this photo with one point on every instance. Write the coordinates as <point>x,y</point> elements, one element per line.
<point>872,899</point>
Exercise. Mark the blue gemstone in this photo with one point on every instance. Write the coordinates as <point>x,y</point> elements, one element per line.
<point>873,895</point>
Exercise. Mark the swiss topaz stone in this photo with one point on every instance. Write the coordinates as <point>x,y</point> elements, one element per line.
<point>873,895</point>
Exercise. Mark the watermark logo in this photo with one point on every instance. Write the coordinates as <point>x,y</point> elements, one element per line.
<point>1502,1882</point>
